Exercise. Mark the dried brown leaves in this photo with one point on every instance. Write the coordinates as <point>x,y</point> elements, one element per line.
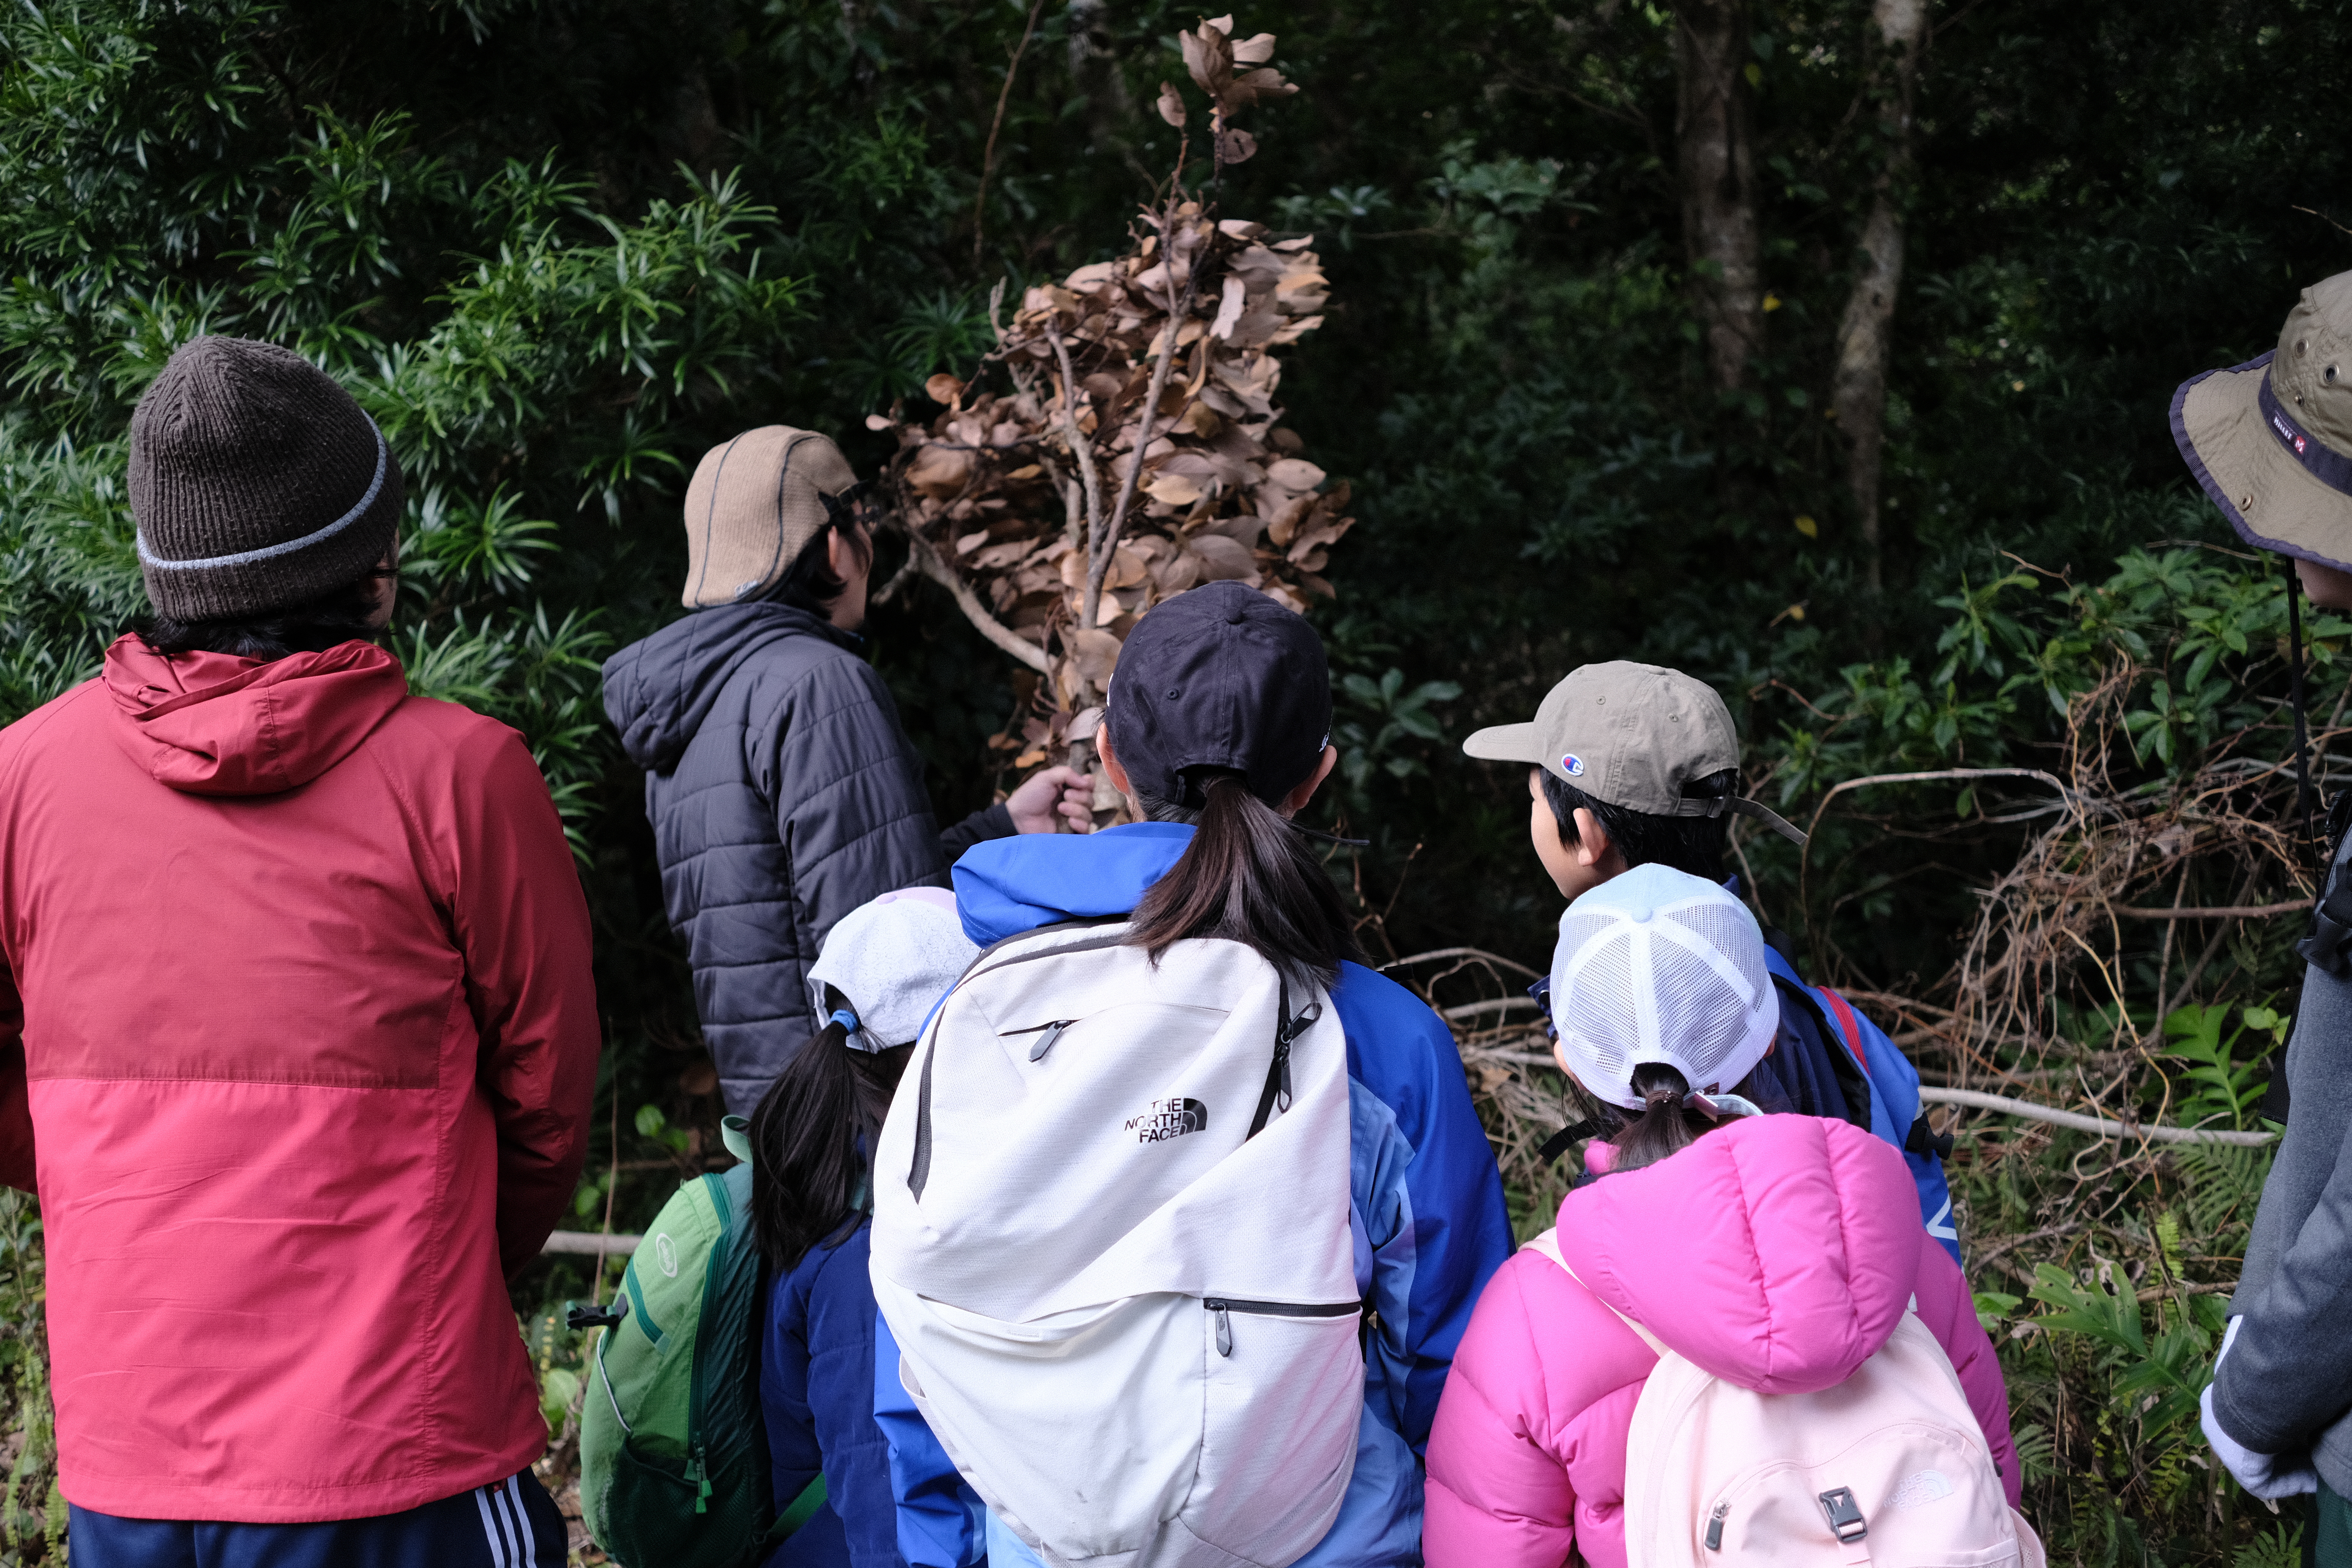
<point>1013,487</point>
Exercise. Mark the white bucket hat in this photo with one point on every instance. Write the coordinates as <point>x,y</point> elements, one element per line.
<point>1658,965</point>
<point>892,960</point>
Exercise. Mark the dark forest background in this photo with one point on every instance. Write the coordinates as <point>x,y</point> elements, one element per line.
<point>1821,349</point>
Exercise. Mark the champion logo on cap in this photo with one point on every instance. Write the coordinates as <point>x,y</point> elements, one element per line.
<point>1572,765</point>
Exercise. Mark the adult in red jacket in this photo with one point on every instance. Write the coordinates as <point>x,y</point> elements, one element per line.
<point>297,1035</point>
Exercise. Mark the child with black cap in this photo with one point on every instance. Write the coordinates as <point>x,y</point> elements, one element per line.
<point>1218,729</point>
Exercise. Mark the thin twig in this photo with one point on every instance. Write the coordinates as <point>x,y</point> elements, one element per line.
<point>1101,549</point>
<point>1480,953</point>
<point>1080,447</point>
<point>988,158</point>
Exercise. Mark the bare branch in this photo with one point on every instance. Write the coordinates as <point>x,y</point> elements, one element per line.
<point>1081,448</point>
<point>928,560</point>
<point>1101,549</point>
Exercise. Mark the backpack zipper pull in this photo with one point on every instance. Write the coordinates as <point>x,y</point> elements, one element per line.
<point>1282,1073</point>
<point>1224,1329</point>
<point>1052,1032</point>
<point>1715,1527</point>
<point>697,1470</point>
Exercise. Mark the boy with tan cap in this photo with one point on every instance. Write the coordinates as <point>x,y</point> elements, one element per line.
<point>1632,764</point>
<point>2271,442</point>
<point>783,792</point>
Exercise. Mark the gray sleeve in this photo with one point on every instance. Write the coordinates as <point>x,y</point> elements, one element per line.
<point>989,822</point>
<point>2289,1374</point>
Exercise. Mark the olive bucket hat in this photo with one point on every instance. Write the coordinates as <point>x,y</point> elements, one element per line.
<point>2271,441</point>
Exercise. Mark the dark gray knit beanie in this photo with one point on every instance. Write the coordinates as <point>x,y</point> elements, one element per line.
<point>256,482</point>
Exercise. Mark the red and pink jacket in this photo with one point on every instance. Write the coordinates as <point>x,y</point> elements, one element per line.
<point>1761,1253</point>
<point>298,1037</point>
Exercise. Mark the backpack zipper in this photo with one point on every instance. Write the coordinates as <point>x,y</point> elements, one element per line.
<point>1046,1034</point>
<point>1225,1306</point>
<point>1715,1527</point>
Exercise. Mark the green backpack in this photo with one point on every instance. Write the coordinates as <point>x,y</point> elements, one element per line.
<point>674,1469</point>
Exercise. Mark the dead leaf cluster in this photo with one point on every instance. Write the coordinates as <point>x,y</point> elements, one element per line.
<point>1024,492</point>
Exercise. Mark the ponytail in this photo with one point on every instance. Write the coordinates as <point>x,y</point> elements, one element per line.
<point>1246,877</point>
<point>1664,1125</point>
<point>810,1139</point>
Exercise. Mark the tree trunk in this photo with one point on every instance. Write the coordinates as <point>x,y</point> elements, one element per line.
<point>1859,396</point>
<point>1715,138</point>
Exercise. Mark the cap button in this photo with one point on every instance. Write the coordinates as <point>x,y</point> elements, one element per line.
<point>1236,615</point>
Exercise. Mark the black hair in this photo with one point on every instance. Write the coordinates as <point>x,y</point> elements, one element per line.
<point>810,582</point>
<point>335,617</point>
<point>811,1140</point>
<point>1692,844</point>
<point>1664,1125</point>
<point>1246,877</point>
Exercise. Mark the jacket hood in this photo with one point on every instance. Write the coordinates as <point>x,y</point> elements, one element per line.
<point>1006,886</point>
<point>213,723</point>
<point>659,690</point>
<point>1778,1253</point>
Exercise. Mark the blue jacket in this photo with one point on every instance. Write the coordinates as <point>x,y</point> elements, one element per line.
<point>816,1391</point>
<point>1425,1200</point>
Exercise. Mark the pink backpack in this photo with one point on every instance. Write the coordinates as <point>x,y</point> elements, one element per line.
<point>1886,1468</point>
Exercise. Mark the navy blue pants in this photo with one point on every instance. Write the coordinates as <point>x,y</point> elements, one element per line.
<point>509,1524</point>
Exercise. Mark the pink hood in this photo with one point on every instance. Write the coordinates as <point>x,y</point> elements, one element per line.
<point>211,723</point>
<point>1778,1253</point>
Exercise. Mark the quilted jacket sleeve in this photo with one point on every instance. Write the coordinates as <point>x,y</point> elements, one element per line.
<point>1497,1496</point>
<point>847,788</point>
<point>521,924</point>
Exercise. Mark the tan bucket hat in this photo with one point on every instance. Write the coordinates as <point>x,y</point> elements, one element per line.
<point>2271,441</point>
<point>753,504</point>
<point>1632,735</point>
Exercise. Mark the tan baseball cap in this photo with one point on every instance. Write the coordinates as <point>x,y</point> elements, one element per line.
<point>1633,735</point>
<point>2271,441</point>
<point>753,504</point>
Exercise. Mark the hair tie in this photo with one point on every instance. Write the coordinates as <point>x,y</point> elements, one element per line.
<point>846,1019</point>
<point>1666,1098</point>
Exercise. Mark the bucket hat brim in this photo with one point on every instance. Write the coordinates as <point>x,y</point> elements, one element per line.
<point>2251,472</point>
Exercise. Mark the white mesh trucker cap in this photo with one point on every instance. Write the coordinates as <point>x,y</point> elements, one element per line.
<point>893,959</point>
<point>1658,965</point>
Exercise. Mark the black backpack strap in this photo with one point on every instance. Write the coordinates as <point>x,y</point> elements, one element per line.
<point>1559,1143</point>
<point>2331,917</point>
<point>1286,1030</point>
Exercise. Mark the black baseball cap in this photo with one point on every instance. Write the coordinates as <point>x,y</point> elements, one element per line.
<point>1220,676</point>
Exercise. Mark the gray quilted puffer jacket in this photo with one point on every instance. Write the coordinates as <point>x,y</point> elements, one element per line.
<point>783,794</point>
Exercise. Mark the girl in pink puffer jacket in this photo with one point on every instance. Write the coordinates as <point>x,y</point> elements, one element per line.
<point>1775,1252</point>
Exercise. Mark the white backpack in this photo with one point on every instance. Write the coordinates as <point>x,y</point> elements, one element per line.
<point>1110,1236</point>
<point>1889,1467</point>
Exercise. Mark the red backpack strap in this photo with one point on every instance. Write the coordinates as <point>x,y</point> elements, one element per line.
<point>1847,1025</point>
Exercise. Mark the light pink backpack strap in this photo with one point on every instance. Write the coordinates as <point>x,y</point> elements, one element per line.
<point>1549,1245</point>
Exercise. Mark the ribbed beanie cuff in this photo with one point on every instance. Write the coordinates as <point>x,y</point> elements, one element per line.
<point>257,483</point>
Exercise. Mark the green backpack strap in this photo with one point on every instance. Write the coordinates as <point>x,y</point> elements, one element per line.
<point>803,1508</point>
<point>735,1132</point>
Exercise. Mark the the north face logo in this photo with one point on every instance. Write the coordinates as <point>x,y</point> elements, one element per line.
<point>1168,1119</point>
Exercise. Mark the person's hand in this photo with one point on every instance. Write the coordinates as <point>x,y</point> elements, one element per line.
<point>1057,793</point>
<point>2269,1477</point>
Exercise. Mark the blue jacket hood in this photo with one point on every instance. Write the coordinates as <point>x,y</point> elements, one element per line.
<point>1006,886</point>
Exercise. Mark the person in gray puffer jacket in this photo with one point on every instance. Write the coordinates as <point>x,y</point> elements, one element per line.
<point>783,790</point>
<point>2270,443</point>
